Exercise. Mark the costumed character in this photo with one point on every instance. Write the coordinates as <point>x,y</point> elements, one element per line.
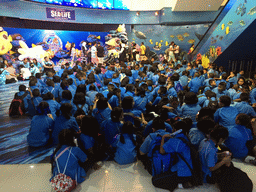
<point>5,42</point>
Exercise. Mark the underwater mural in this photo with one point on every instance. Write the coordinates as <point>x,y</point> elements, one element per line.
<point>53,43</point>
<point>158,37</point>
<point>239,17</point>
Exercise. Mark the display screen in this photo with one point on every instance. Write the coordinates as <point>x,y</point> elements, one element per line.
<point>96,4</point>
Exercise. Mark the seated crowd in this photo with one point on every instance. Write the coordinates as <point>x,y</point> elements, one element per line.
<point>157,113</point>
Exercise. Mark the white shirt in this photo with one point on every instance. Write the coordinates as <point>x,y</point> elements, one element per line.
<point>93,51</point>
<point>178,49</point>
<point>25,72</point>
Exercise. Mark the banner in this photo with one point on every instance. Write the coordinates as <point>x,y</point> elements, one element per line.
<point>60,14</point>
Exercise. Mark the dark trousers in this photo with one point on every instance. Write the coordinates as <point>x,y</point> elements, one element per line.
<point>169,180</point>
<point>12,80</point>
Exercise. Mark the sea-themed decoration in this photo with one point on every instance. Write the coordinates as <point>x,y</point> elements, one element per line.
<point>180,37</point>
<point>5,42</point>
<point>239,9</point>
<point>242,23</point>
<point>218,50</point>
<point>191,41</point>
<point>160,45</point>
<point>230,23</point>
<point>221,37</point>
<point>139,34</point>
<point>156,43</point>
<point>214,41</point>
<point>243,10</point>
<point>223,26</point>
<point>161,41</point>
<point>93,38</point>
<point>200,37</point>
<point>252,11</point>
<point>166,43</point>
<point>186,34</point>
<point>172,36</point>
<point>227,30</point>
<point>157,48</point>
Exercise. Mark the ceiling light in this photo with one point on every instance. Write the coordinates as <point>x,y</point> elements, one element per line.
<point>138,13</point>
<point>156,13</point>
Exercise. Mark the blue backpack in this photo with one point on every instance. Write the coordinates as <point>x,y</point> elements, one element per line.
<point>160,162</point>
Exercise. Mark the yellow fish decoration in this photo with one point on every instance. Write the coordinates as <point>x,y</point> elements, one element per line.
<point>151,42</point>
<point>159,45</point>
<point>98,37</point>
<point>161,41</point>
<point>186,35</point>
<point>227,30</point>
<point>191,41</point>
<point>166,43</point>
<point>133,39</point>
<point>172,36</point>
<point>156,43</point>
<point>223,26</point>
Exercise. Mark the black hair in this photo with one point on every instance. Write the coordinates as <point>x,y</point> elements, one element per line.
<point>22,88</point>
<point>56,79</point>
<point>81,89</point>
<point>205,125</point>
<point>205,112</point>
<point>92,87</point>
<point>38,75</point>
<point>36,93</point>
<point>181,125</point>
<point>190,98</point>
<point>116,114</point>
<point>32,83</point>
<point>127,102</point>
<point>48,96</point>
<point>128,128</point>
<point>66,94</point>
<point>102,103</point>
<point>90,126</point>
<point>64,84</point>
<point>158,123</point>
<point>225,100</point>
<point>70,81</point>
<point>162,90</point>
<point>125,81</point>
<point>244,97</point>
<point>130,87</point>
<point>175,77</point>
<point>50,82</point>
<point>244,120</point>
<point>79,98</point>
<point>219,132</point>
<point>66,109</point>
<point>43,106</point>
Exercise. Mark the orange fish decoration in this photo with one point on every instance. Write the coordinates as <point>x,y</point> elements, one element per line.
<point>218,49</point>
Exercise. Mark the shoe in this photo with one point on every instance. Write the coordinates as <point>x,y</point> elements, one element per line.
<point>253,162</point>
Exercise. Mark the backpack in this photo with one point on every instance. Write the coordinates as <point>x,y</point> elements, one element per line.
<point>160,162</point>
<point>213,104</point>
<point>31,108</point>
<point>197,173</point>
<point>17,107</point>
<point>62,182</point>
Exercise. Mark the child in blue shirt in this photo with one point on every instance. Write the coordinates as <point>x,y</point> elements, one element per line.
<point>80,106</point>
<point>209,157</point>
<point>125,145</point>
<point>3,74</point>
<point>64,121</point>
<point>54,105</point>
<point>40,128</point>
<point>226,115</point>
<point>243,106</point>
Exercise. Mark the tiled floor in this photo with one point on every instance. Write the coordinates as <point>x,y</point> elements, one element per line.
<point>110,178</point>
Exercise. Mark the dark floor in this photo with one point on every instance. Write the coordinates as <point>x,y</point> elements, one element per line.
<point>13,133</point>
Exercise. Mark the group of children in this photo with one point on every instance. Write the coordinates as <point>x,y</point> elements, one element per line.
<point>129,111</point>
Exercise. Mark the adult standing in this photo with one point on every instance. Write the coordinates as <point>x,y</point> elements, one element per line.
<point>142,49</point>
<point>100,53</point>
<point>94,56</point>
<point>171,52</point>
<point>177,51</point>
<point>191,49</point>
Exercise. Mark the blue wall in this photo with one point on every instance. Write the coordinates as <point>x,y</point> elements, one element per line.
<point>37,11</point>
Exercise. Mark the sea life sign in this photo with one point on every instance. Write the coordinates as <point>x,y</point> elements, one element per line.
<point>60,14</point>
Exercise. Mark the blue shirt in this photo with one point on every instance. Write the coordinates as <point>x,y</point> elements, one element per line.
<point>176,145</point>
<point>54,107</point>
<point>73,168</point>
<point>208,156</point>
<point>3,76</point>
<point>39,130</point>
<point>236,141</point>
<point>140,103</point>
<point>114,101</point>
<point>196,136</point>
<point>219,94</point>
<point>111,129</point>
<point>86,141</point>
<point>190,111</point>
<point>62,123</point>
<point>244,107</point>
<point>226,116</point>
<point>147,144</point>
<point>148,129</point>
<point>183,80</point>
<point>125,152</point>
<point>84,107</point>
<point>253,96</point>
<point>194,84</point>
<point>101,114</point>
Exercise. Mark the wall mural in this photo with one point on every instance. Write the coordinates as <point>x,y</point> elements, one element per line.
<point>239,17</point>
<point>158,37</point>
<point>36,43</point>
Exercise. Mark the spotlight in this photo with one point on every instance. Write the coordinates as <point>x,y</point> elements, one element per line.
<point>156,13</point>
<point>138,13</point>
